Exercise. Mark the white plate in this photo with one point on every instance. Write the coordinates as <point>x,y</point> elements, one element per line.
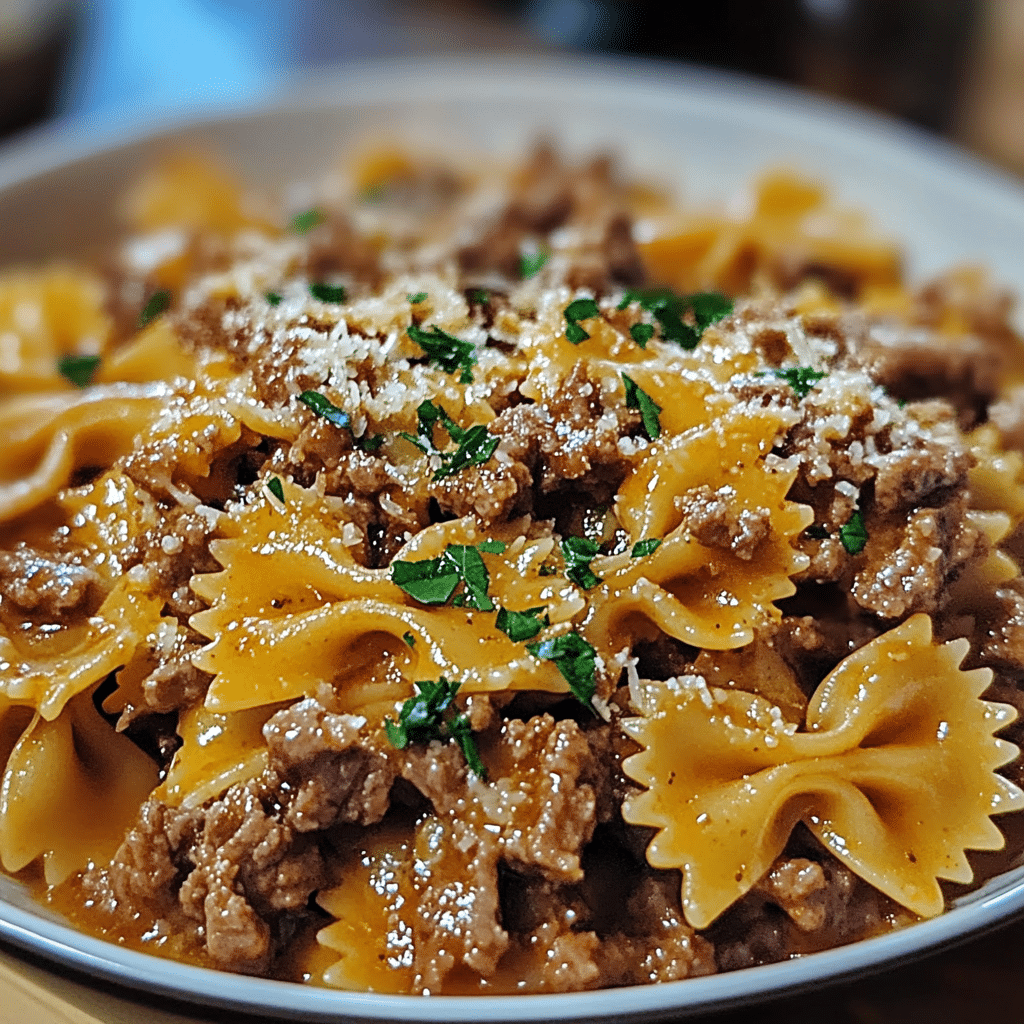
<point>706,134</point>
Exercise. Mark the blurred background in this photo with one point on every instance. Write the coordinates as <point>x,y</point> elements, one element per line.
<point>953,66</point>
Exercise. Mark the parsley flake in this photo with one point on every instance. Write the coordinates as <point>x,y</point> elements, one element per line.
<point>577,310</point>
<point>307,220</point>
<point>474,446</point>
<point>531,263</point>
<point>327,292</point>
<point>449,352</point>
<point>427,716</point>
<point>853,534</point>
<point>274,298</point>
<point>78,370</point>
<point>326,409</point>
<point>481,296</point>
<point>642,333</point>
<point>159,302</point>
<point>409,639</point>
<point>435,580</point>
<point>276,488</point>
<point>520,626</point>
<point>368,442</point>
<point>669,309</point>
<point>637,398</point>
<point>575,659</point>
<point>645,547</point>
<point>800,378</point>
<point>417,298</point>
<point>578,553</point>
<point>493,547</point>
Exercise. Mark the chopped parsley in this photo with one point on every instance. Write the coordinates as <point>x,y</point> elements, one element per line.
<point>481,296</point>
<point>409,639</point>
<point>578,553</point>
<point>429,716</point>
<point>276,488</point>
<point>307,220</point>
<point>817,532</point>
<point>435,580</point>
<point>642,333</point>
<point>579,309</point>
<point>327,292</point>
<point>493,547</point>
<point>669,309</point>
<point>447,351</point>
<point>474,446</point>
<point>274,298</point>
<point>326,409</point>
<point>530,263</point>
<point>520,626</point>
<point>78,370</point>
<point>417,298</point>
<point>637,398</point>
<point>853,534</point>
<point>645,547</point>
<point>575,659</point>
<point>159,302</point>
<point>368,442</point>
<point>800,378</point>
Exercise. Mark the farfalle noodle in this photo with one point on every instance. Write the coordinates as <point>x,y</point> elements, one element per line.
<point>894,773</point>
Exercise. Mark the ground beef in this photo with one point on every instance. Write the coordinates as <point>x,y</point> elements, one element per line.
<point>550,194</point>
<point>715,521</point>
<point>46,583</point>
<point>333,776</point>
<point>569,445</point>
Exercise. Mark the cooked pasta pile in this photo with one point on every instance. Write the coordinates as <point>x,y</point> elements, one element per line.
<point>472,579</point>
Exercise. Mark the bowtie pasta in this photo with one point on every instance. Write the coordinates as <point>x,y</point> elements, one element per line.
<point>484,579</point>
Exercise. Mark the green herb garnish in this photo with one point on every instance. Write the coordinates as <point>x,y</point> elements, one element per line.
<point>645,547</point>
<point>578,553</point>
<point>435,580</point>
<point>368,442</point>
<point>493,547</point>
<point>409,639</point>
<point>853,534</point>
<point>530,263</point>
<point>306,221</point>
<point>327,292</point>
<point>474,446</point>
<point>428,716</point>
<point>276,488</point>
<point>481,296</point>
<point>449,352</point>
<point>159,302</point>
<point>78,370</point>
<point>520,626</point>
<point>577,310</point>
<point>669,309</point>
<point>273,298</point>
<point>817,532</point>
<point>637,398</point>
<point>642,333</point>
<point>417,298</point>
<point>326,409</point>
<point>575,659</point>
<point>800,378</point>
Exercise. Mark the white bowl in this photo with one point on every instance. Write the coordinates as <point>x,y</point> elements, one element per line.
<point>708,135</point>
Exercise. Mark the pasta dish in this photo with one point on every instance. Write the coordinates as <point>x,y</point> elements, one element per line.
<point>462,579</point>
